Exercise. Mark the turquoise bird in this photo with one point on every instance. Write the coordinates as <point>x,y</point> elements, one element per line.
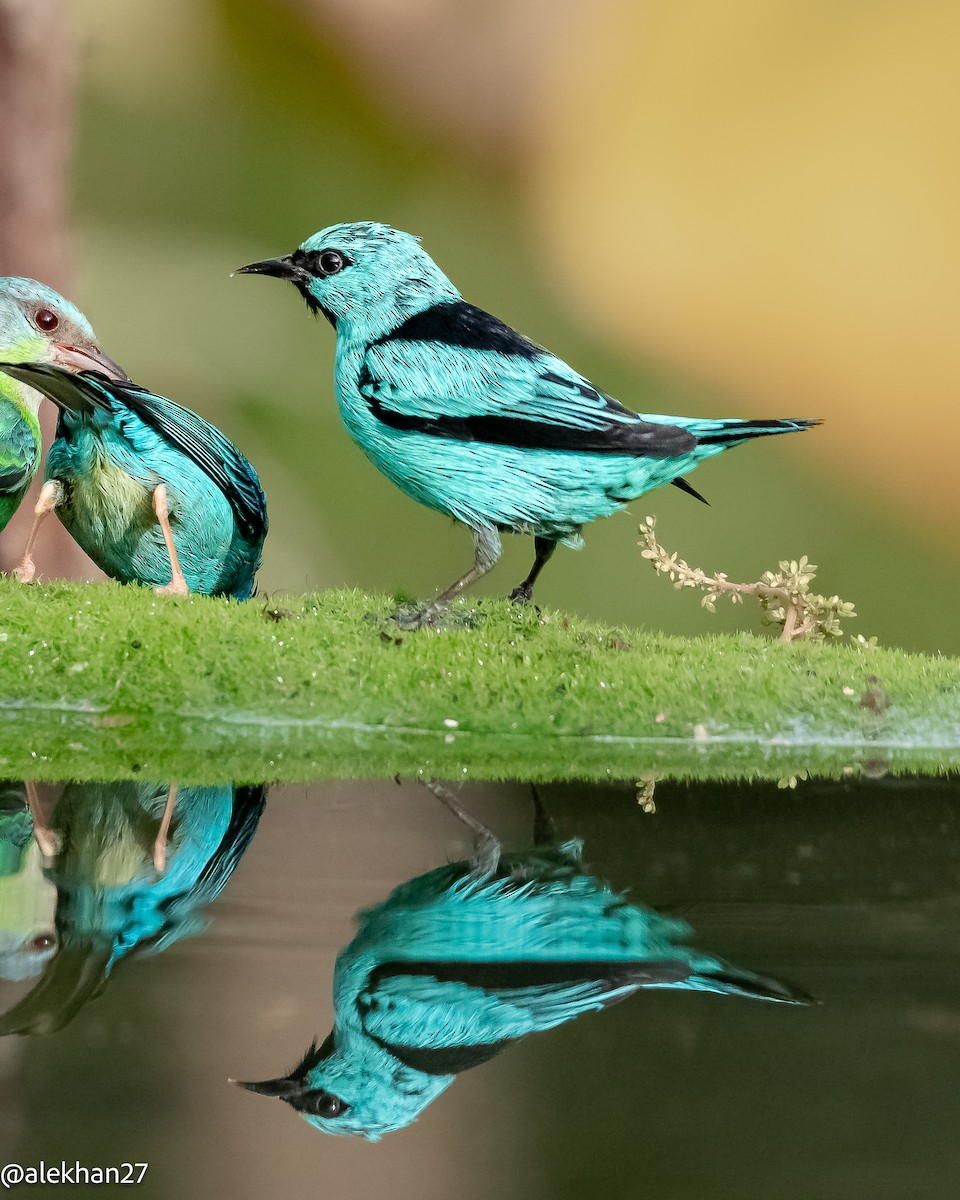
<point>152,492</point>
<point>458,964</point>
<point>137,864</point>
<point>472,419</point>
<point>36,324</point>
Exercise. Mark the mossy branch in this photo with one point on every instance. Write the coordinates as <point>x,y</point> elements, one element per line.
<point>784,595</point>
<point>103,681</point>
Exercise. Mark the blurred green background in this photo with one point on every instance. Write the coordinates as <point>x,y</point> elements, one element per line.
<point>736,216</point>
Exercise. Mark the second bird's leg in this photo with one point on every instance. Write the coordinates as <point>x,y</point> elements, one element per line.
<point>543,548</point>
<point>486,845</point>
<point>51,494</point>
<point>178,584</point>
<point>163,833</point>
<point>487,550</point>
<point>43,835</point>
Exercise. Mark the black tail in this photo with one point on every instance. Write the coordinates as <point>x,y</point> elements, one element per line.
<point>730,981</point>
<point>741,431</point>
<point>691,491</point>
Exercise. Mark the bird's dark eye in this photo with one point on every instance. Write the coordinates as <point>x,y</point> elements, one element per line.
<point>43,941</point>
<point>331,261</point>
<point>323,1104</point>
<point>46,319</point>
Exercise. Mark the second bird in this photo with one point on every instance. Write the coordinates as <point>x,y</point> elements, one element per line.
<point>151,491</point>
<point>471,418</point>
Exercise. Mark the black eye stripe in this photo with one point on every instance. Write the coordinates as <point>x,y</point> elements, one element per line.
<point>313,261</point>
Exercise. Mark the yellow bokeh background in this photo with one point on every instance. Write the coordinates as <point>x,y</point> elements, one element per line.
<point>767,193</point>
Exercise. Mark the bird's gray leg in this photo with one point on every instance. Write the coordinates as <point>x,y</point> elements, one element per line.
<point>178,584</point>
<point>544,826</point>
<point>543,549</point>
<point>163,833</point>
<point>486,845</point>
<point>43,835</point>
<point>51,494</point>
<point>487,550</point>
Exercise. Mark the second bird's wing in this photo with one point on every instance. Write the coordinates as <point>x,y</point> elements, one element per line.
<point>246,811</point>
<point>456,372</point>
<point>204,444</point>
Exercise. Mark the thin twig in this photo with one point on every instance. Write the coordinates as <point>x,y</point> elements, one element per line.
<point>784,595</point>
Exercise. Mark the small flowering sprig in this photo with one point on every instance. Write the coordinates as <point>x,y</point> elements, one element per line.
<point>784,595</point>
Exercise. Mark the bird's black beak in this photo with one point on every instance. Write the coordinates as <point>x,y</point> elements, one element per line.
<point>284,1088</point>
<point>279,268</point>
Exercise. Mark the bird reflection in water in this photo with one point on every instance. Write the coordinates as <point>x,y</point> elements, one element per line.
<point>134,865</point>
<point>457,964</point>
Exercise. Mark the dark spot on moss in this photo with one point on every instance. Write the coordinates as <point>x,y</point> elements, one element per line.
<point>875,698</point>
<point>272,613</point>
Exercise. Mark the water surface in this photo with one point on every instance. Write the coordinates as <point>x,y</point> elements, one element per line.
<point>848,890</point>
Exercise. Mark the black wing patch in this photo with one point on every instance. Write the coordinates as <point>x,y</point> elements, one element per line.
<point>444,1060</point>
<point>456,323</point>
<point>510,976</point>
<point>638,438</point>
<point>504,978</point>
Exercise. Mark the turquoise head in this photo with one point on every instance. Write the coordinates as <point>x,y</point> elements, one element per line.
<point>38,325</point>
<point>365,277</point>
<point>354,1085</point>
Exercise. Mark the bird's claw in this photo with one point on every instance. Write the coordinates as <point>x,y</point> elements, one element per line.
<point>421,618</point>
<point>176,587</point>
<point>523,595</point>
<point>49,845</point>
<point>26,571</point>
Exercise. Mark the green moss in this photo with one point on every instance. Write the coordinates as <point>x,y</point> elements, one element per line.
<point>105,681</point>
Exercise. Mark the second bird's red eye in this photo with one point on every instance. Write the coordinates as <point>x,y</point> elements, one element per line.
<point>46,319</point>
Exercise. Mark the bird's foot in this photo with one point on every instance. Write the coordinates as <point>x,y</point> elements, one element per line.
<point>486,845</point>
<point>26,571</point>
<point>485,859</point>
<point>48,842</point>
<point>176,587</point>
<point>420,618</point>
<point>523,595</point>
